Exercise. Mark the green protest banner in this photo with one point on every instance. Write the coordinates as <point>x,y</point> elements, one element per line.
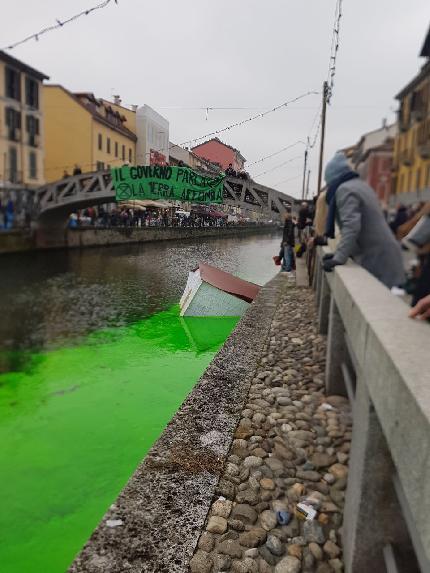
<point>162,182</point>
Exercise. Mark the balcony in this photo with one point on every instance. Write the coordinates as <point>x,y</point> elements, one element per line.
<point>418,114</point>
<point>424,150</point>
<point>33,140</point>
<point>14,133</point>
<point>406,157</point>
<point>12,176</point>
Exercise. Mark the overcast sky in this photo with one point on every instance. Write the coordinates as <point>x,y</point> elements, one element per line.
<point>179,55</point>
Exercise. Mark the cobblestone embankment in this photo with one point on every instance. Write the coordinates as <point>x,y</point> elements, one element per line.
<point>291,445</point>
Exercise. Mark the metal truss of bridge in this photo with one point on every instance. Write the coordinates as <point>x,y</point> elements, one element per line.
<point>55,201</point>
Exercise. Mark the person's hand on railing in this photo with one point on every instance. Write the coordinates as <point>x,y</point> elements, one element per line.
<point>422,309</point>
<point>328,262</point>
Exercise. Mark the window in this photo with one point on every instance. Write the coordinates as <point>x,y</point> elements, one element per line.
<point>116,149</point>
<point>428,176</point>
<point>31,92</point>
<point>13,123</point>
<point>32,165</point>
<point>100,142</point>
<point>13,83</point>
<point>409,184</point>
<point>418,179</point>
<point>402,183</point>
<point>13,165</point>
<point>108,145</point>
<point>123,152</point>
<point>32,128</point>
<point>130,156</point>
<point>100,165</point>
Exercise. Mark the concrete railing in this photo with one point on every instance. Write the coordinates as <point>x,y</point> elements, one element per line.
<point>378,357</point>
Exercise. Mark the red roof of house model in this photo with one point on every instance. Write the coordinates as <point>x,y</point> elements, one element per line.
<point>228,283</point>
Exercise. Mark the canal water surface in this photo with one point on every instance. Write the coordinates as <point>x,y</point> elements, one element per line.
<point>94,362</point>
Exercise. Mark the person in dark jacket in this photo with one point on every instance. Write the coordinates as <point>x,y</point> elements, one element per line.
<point>365,234</point>
<point>230,172</point>
<point>286,253</point>
<point>400,218</point>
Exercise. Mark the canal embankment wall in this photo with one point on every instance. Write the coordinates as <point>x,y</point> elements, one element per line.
<point>161,511</point>
<point>19,241</point>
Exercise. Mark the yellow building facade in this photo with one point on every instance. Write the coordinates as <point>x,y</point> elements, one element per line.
<point>85,133</point>
<point>412,143</point>
<point>21,124</point>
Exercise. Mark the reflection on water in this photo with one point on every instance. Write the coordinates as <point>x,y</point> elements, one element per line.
<point>49,299</point>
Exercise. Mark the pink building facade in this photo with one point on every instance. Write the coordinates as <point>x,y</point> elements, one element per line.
<point>375,169</point>
<point>220,153</point>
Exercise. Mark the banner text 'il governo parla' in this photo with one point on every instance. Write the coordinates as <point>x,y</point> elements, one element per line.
<point>160,182</point>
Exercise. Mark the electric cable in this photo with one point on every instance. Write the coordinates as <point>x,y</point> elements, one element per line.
<point>252,118</point>
<point>60,24</point>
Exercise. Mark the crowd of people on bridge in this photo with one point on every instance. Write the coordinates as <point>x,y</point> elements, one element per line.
<point>241,174</point>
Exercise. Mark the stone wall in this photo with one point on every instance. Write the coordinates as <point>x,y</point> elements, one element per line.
<point>15,241</point>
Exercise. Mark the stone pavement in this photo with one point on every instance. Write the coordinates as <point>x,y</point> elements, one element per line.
<point>291,445</point>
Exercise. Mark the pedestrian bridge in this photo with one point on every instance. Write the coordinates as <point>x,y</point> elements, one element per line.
<point>55,201</point>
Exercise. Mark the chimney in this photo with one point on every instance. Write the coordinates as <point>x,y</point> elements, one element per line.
<point>384,123</point>
<point>117,100</point>
<point>134,108</point>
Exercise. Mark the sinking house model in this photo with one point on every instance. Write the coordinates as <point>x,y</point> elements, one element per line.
<point>212,292</point>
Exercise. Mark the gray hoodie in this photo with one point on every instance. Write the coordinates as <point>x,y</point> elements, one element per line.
<point>365,234</point>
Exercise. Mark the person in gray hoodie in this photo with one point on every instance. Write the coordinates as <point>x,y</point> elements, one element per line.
<point>365,234</point>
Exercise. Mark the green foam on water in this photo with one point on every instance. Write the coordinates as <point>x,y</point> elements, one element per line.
<point>75,423</point>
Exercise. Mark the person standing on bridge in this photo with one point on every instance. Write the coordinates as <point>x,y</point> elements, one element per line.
<point>365,234</point>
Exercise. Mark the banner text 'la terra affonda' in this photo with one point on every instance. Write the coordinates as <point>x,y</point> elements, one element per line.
<point>162,182</point>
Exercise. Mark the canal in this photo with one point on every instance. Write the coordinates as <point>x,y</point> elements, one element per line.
<point>94,362</point>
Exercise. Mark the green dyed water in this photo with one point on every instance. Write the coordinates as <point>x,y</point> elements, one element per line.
<point>94,362</point>
<point>75,423</point>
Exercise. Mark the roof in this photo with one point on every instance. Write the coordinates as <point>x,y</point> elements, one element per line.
<point>422,75</point>
<point>21,66</point>
<point>228,283</point>
<point>222,143</point>
<point>96,116</point>
<point>425,51</point>
<point>387,147</point>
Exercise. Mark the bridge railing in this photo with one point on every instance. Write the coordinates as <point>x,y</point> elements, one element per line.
<point>378,357</point>
<point>78,190</point>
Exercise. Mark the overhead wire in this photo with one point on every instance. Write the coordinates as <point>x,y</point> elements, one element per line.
<point>335,44</point>
<point>276,153</point>
<point>59,24</point>
<point>288,179</point>
<point>278,166</point>
<point>252,118</point>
